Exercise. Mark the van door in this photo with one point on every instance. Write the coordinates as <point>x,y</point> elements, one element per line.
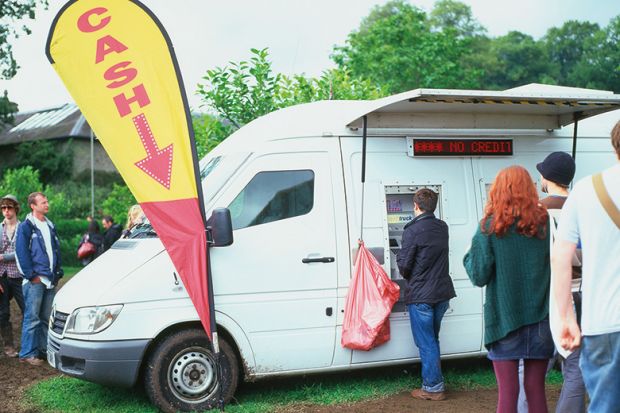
<point>278,279</point>
<point>392,178</point>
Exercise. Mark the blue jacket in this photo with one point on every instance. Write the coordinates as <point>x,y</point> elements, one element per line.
<point>32,258</point>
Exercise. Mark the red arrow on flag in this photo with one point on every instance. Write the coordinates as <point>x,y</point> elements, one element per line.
<point>158,162</point>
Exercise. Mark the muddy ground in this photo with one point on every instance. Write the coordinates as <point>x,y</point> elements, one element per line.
<point>15,377</point>
<point>478,401</point>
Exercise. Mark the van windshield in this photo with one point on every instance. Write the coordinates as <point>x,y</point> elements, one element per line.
<point>217,170</point>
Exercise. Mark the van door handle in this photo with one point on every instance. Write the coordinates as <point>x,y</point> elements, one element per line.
<point>322,259</point>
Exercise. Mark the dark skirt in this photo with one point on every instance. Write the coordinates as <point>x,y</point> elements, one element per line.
<point>532,341</point>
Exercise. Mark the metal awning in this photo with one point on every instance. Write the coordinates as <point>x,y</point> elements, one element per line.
<point>529,107</point>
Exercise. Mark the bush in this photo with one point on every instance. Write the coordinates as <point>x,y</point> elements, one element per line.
<point>54,162</point>
<point>118,203</point>
<point>21,182</point>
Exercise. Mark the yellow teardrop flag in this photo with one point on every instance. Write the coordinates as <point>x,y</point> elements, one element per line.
<point>118,63</point>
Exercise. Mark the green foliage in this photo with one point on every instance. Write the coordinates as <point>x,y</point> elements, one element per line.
<point>516,59</point>
<point>7,110</point>
<point>399,47</point>
<point>246,90</point>
<point>21,182</point>
<point>69,395</point>
<point>208,132</point>
<point>118,203</point>
<point>11,11</point>
<point>53,164</point>
<point>457,16</point>
<point>566,46</point>
<point>599,66</point>
<point>70,232</point>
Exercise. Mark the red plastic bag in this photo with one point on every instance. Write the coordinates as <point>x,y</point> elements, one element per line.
<point>369,302</point>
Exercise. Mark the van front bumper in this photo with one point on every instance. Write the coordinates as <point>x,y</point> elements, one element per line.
<point>115,363</point>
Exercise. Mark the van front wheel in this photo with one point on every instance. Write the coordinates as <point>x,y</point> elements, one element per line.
<point>181,373</point>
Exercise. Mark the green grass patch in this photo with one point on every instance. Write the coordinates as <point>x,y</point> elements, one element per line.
<point>71,271</point>
<point>68,395</point>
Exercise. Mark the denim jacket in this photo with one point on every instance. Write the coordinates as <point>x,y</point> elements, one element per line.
<point>32,258</point>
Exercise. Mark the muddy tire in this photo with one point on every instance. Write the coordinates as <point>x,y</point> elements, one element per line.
<point>181,375</point>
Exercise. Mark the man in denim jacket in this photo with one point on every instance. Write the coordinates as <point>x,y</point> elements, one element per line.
<point>38,258</point>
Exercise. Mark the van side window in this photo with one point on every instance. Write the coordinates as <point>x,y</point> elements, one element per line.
<point>272,196</point>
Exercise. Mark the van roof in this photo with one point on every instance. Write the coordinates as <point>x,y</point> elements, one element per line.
<point>532,106</point>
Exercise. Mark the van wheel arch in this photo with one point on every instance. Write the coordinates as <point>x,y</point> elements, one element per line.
<point>162,335</point>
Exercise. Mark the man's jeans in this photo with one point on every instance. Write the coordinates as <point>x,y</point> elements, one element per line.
<point>38,300</point>
<point>425,323</point>
<point>600,365</point>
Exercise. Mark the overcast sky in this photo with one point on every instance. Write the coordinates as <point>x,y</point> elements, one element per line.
<point>299,33</point>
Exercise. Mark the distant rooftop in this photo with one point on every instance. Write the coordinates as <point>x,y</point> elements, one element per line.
<point>61,122</point>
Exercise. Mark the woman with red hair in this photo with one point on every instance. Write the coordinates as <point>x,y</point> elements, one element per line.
<point>510,256</point>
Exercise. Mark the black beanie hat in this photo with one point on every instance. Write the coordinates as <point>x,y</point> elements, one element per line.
<point>558,167</point>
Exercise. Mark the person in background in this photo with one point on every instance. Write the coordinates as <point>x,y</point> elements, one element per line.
<point>135,216</point>
<point>557,172</point>
<point>509,255</point>
<point>37,249</point>
<point>591,215</point>
<point>93,236</point>
<point>10,278</point>
<point>112,232</point>
<point>423,262</point>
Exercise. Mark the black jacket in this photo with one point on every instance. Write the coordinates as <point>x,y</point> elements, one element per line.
<point>111,235</point>
<point>423,261</point>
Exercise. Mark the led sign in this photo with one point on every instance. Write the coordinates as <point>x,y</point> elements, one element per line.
<point>462,147</point>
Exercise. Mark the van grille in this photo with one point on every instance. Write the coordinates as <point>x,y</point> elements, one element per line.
<point>58,322</point>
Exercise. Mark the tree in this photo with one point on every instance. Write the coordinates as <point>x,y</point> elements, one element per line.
<point>599,66</point>
<point>397,47</point>
<point>11,11</point>
<point>514,60</point>
<point>7,110</point>
<point>54,163</point>
<point>454,15</point>
<point>566,46</point>
<point>243,91</point>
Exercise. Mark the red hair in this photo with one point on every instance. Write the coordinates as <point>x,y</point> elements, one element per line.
<point>513,198</point>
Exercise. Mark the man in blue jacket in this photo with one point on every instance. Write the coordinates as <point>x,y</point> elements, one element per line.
<point>38,258</point>
<point>423,262</point>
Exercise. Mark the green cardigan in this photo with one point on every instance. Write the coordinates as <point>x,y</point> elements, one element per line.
<point>515,270</point>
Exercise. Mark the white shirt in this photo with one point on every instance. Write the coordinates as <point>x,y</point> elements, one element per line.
<point>584,218</point>
<point>47,238</point>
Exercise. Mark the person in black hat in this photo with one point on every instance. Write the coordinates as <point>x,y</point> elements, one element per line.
<point>557,171</point>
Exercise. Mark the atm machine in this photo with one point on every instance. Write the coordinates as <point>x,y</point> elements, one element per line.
<point>399,205</point>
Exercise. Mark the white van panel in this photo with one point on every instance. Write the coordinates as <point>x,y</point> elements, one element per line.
<point>286,308</point>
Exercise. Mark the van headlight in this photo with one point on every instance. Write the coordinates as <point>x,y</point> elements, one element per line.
<point>90,320</point>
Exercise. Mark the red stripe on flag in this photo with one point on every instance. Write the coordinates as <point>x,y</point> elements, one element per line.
<point>180,228</point>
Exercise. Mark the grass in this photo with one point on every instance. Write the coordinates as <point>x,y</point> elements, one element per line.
<point>71,271</point>
<point>68,395</point>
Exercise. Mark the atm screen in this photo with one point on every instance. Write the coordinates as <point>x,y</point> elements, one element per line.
<point>462,147</point>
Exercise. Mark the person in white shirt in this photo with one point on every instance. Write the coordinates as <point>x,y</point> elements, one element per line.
<point>37,249</point>
<point>585,218</point>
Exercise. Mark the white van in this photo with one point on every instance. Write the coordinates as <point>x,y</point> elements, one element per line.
<point>291,181</point>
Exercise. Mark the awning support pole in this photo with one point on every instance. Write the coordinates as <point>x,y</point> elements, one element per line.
<point>364,138</point>
<point>576,117</point>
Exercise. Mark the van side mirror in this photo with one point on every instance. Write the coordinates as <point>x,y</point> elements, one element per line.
<point>219,228</point>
